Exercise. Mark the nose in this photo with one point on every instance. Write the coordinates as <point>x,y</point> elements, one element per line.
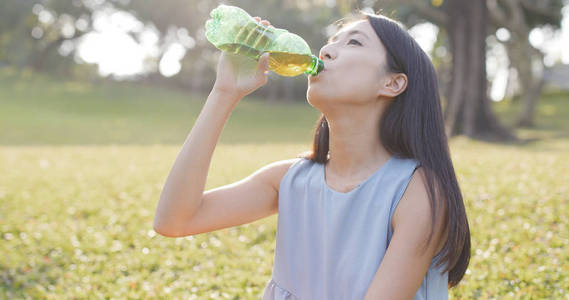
<point>326,53</point>
<point>324,56</point>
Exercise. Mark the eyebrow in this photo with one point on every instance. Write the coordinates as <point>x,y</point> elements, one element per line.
<point>351,32</point>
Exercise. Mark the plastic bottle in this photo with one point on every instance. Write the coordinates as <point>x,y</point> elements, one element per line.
<point>233,30</point>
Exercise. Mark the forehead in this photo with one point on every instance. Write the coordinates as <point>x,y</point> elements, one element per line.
<point>369,36</point>
<point>360,25</point>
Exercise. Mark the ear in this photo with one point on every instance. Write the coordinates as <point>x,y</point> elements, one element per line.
<point>394,85</point>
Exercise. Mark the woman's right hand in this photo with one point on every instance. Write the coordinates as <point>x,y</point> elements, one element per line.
<point>239,75</point>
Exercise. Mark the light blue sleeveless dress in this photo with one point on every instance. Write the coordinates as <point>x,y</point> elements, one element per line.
<point>329,244</point>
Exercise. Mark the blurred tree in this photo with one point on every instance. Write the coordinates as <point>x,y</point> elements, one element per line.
<point>468,109</point>
<point>179,23</point>
<point>32,32</point>
<point>519,17</point>
<point>64,22</point>
<point>16,23</point>
<point>172,17</point>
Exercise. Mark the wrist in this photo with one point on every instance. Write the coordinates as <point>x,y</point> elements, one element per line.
<point>227,95</point>
<point>223,99</point>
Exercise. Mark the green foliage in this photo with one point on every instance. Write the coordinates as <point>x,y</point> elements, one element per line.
<point>16,23</point>
<point>76,219</point>
<point>18,19</point>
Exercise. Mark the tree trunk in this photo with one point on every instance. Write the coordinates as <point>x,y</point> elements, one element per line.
<point>38,63</point>
<point>529,102</point>
<point>468,108</point>
<point>522,56</point>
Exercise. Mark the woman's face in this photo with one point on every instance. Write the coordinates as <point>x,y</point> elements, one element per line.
<point>354,67</point>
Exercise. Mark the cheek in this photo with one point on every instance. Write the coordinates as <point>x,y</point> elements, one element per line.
<point>356,81</point>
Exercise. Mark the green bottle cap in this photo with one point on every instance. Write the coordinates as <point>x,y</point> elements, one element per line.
<point>316,66</point>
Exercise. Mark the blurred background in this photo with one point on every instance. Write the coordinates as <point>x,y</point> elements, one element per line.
<point>97,97</point>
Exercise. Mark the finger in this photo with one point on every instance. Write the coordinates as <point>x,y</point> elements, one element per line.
<point>266,23</point>
<point>263,66</point>
<point>258,19</point>
<point>265,61</point>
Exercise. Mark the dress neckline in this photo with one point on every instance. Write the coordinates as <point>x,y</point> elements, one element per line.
<point>359,186</point>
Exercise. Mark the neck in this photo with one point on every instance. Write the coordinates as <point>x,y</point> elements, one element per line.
<point>355,147</point>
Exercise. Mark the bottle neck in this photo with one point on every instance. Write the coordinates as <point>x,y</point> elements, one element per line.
<point>316,66</point>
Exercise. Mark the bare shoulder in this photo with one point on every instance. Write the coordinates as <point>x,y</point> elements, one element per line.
<point>415,199</point>
<point>275,171</point>
<point>416,194</point>
<point>414,209</point>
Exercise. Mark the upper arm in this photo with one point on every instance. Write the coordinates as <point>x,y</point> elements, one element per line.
<point>406,262</point>
<point>241,202</point>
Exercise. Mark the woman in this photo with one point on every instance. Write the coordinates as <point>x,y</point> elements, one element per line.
<point>375,210</point>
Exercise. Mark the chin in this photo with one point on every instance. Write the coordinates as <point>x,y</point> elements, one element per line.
<point>312,95</point>
<point>317,97</point>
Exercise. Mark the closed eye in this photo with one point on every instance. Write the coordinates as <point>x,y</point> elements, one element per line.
<point>358,43</point>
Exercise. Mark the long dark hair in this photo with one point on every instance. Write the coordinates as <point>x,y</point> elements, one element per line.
<point>413,127</point>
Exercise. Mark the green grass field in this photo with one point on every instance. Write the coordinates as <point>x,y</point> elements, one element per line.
<point>82,169</point>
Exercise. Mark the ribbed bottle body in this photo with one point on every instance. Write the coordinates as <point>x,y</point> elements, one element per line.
<point>233,30</point>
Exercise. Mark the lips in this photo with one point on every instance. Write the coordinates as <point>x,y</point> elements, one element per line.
<point>319,73</point>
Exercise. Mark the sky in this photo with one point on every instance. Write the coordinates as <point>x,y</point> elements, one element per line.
<point>117,53</point>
